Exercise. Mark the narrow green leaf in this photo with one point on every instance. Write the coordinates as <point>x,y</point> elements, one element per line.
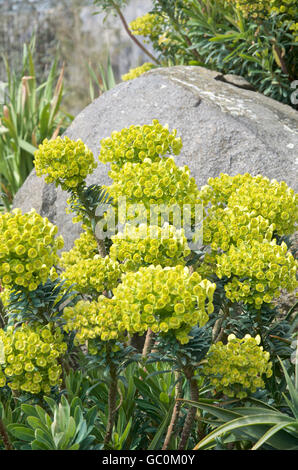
<point>269,434</point>
<point>155,443</point>
<point>243,422</point>
<point>27,147</point>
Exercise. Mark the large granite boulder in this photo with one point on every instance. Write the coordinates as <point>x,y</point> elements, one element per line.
<point>225,127</point>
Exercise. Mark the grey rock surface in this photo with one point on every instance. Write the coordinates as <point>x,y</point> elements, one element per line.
<point>224,129</point>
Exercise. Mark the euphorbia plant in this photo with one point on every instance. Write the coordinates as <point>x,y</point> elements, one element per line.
<point>256,39</point>
<point>150,279</point>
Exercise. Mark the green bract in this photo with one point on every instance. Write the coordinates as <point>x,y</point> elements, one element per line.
<point>258,270</point>
<point>28,249</point>
<point>274,201</point>
<point>96,274</point>
<point>236,368</point>
<point>255,196</point>
<point>85,247</point>
<point>30,359</point>
<point>65,162</point>
<point>164,299</point>
<point>224,226</point>
<point>153,184</point>
<point>136,143</point>
<point>143,246</point>
<point>96,320</point>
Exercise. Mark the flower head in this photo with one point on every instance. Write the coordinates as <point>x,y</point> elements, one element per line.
<point>136,143</point>
<point>238,367</point>
<point>28,249</point>
<point>65,162</point>
<point>164,299</point>
<point>30,360</point>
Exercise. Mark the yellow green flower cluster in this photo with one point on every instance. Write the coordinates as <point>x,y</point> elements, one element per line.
<point>164,299</point>
<point>252,8</point>
<point>274,201</point>
<point>65,162</point>
<point>264,8</point>
<point>85,247</point>
<point>219,189</point>
<point>4,296</point>
<point>284,7</point>
<point>138,71</point>
<point>236,368</point>
<point>294,28</point>
<point>257,196</point>
<point>137,143</point>
<point>28,249</point>
<point>258,270</point>
<point>146,245</point>
<point>29,359</point>
<point>148,25</point>
<point>224,226</point>
<point>96,274</point>
<point>101,319</point>
<point>154,183</point>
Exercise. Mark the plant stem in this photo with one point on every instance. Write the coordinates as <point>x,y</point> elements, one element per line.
<point>189,421</point>
<point>2,323</point>
<point>175,413</point>
<point>4,436</point>
<point>218,331</point>
<point>148,343</point>
<point>176,25</point>
<point>101,248</point>
<point>136,41</point>
<point>281,60</point>
<point>112,399</point>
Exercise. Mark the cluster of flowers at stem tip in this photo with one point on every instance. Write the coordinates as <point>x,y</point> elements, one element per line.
<point>255,196</point>
<point>93,275</point>
<point>137,71</point>
<point>95,320</point>
<point>261,10</point>
<point>246,215</point>
<point>257,271</point>
<point>264,8</point>
<point>223,227</point>
<point>149,26</point>
<point>137,143</point>
<point>161,299</point>
<point>85,247</point>
<point>238,367</point>
<point>164,299</point>
<point>65,162</point>
<point>5,294</point>
<point>29,357</point>
<point>28,249</point>
<point>149,186</point>
<point>149,245</point>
